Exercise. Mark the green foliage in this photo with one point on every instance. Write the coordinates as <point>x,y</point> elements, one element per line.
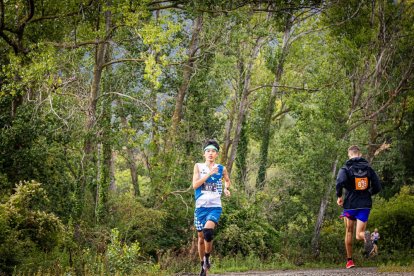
<point>25,226</point>
<point>122,258</point>
<point>24,212</point>
<point>138,223</point>
<point>346,59</point>
<point>244,230</point>
<point>395,219</point>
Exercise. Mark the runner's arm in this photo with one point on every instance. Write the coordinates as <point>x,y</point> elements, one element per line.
<point>226,182</point>
<point>226,177</point>
<point>340,182</point>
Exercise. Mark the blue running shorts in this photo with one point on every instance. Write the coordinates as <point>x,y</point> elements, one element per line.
<point>203,214</point>
<point>356,214</point>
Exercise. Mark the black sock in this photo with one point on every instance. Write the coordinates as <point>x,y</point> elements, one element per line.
<point>202,263</point>
<point>349,259</point>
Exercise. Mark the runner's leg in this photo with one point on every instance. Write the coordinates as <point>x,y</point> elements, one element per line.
<point>360,229</point>
<point>349,231</point>
<point>201,245</point>
<point>201,251</point>
<point>209,245</point>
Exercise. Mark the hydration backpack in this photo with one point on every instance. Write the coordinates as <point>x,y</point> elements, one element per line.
<point>359,177</point>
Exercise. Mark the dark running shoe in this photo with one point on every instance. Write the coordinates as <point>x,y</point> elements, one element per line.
<point>202,272</point>
<point>368,245</point>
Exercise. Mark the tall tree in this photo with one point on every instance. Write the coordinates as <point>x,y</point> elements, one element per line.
<point>372,93</point>
<point>264,146</point>
<point>188,70</point>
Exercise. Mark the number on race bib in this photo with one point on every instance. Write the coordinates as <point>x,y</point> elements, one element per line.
<point>361,183</point>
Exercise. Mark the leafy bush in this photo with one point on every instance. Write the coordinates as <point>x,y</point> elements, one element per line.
<point>122,258</point>
<point>395,221</point>
<point>24,228</point>
<point>244,230</point>
<point>137,223</point>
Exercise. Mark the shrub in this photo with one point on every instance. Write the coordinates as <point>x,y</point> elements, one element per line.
<point>24,228</point>
<point>395,221</point>
<point>122,258</point>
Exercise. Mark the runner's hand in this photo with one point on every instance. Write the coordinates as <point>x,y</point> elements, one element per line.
<point>214,170</point>
<point>339,201</point>
<point>226,192</point>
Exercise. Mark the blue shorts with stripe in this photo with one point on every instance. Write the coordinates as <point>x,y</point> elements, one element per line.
<point>356,214</point>
<point>204,214</point>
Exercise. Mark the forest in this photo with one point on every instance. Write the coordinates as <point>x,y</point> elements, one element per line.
<point>105,106</point>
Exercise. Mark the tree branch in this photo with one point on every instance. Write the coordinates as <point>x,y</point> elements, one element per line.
<point>162,2</point>
<point>329,26</point>
<point>1,15</point>
<point>77,45</point>
<point>390,100</point>
<point>172,6</point>
<point>9,41</point>
<point>280,113</point>
<point>28,17</point>
<point>122,60</point>
<point>47,17</point>
<point>289,9</point>
<point>284,86</point>
<point>132,98</point>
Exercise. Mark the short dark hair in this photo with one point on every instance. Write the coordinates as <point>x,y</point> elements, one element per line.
<point>211,142</point>
<point>355,149</point>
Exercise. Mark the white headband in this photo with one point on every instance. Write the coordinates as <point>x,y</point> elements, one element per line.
<point>211,147</point>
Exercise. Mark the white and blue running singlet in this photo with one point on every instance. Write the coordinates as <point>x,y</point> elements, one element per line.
<point>209,193</point>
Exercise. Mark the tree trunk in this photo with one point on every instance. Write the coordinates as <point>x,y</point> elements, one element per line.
<point>188,71</point>
<point>322,211</point>
<point>104,176</point>
<point>100,50</point>
<point>131,159</point>
<point>271,105</point>
<point>227,134</point>
<point>134,172</point>
<point>243,103</point>
<point>112,185</point>
<point>241,156</point>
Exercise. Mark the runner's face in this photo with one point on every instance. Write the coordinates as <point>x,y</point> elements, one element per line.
<point>210,155</point>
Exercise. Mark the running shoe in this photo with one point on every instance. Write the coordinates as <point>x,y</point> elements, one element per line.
<point>202,272</point>
<point>368,245</point>
<point>350,264</point>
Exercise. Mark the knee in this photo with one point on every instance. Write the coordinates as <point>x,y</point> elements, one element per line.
<point>208,234</point>
<point>200,239</point>
<point>359,236</point>
<point>349,230</point>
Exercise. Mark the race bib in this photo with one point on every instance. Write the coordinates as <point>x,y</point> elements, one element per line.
<point>361,183</point>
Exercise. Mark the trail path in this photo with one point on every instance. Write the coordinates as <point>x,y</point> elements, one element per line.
<point>363,271</point>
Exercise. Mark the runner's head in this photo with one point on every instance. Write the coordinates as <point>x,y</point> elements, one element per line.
<point>211,149</point>
<point>354,151</point>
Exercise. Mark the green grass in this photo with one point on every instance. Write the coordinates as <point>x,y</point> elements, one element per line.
<point>242,264</point>
<point>396,267</point>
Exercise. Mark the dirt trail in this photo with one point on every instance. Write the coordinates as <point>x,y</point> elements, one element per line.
<point>363,271</point>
